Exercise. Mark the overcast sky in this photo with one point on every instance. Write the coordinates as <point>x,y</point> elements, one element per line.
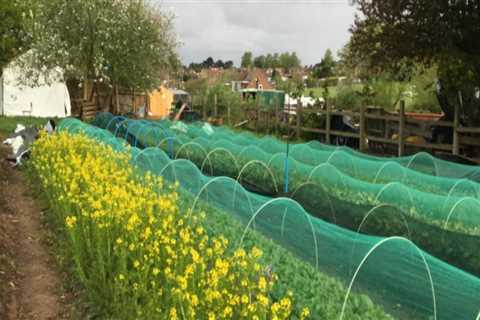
<point>224,29</point>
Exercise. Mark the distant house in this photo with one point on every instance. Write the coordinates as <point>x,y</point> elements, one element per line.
<point>212,75</point>
<point>253,79</point>
<point>163,101</point>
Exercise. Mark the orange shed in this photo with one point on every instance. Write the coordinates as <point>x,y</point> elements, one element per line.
<point>160,102</point>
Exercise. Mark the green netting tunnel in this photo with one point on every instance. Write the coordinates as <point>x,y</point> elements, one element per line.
<point>335,184</point>
<point>391,271</point>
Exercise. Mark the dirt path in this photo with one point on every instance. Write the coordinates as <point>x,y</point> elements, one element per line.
<point>30,285</point>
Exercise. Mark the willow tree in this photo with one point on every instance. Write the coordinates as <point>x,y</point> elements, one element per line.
<point>127,43</point>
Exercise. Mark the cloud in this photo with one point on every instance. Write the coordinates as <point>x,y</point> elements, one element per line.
<point>226,29</point>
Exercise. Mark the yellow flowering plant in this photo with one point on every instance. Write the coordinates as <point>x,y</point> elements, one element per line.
<point>138,255</point>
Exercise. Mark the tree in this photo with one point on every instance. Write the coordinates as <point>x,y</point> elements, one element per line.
<point>270,61</point>
<point>293,61</point>
<point>197,67</point>
<point>208,63</point>
<point>260,62</point>
<point>247,60</point>
<point>288,61</point>
<point>396,35</point>
<point>219,64</point>
<point>326,67</point>
<point>11,31</point>
<point>350,65</point>
<point>118,42</point>
<point>276,60</point>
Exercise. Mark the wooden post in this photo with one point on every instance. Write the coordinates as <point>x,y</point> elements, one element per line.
<point>2,111</point>
<point>257,96</point>
<point>204,108</point>
<point>328,124</point>
<point>277,102</point>
<point>133,101</point>
<point>215,106</point>
<point>401,130</point>
<point>299,118</point>
<point>456,124</point>
<point>147,104</point>
<point>229,118</point>
<point>117,100</point>
<point>363,130</point>
<point>85,90</point>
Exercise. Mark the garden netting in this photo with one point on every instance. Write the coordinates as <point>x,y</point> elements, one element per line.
<point>407,281</point>
<point>441,215</point>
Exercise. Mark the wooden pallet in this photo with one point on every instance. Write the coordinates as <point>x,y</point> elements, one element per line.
<point>89,110</point>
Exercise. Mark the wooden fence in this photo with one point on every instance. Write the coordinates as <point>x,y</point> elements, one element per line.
<point>92,98</point>
<point>398,127</point>
<point>462,136</point>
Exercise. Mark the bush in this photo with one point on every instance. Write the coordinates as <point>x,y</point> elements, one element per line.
<point>386,94</point>
<point>423,89</point>
<point>348,98</point>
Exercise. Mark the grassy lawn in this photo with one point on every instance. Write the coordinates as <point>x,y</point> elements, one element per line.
<point>8,124</point>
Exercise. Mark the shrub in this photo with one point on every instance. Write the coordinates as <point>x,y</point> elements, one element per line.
<point>348,98</point>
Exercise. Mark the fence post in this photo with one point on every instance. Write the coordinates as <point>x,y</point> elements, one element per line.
<point>328,125</point>
<point>257,114</point>
<point>276,116</point>
<point>215,106</point>
<point>299,118</point>
<point>134,107</point>
<point>363,130</point>
<point>85,90</point>
<point>401,130</point>
<point>456,124</point>
<point>229,111</point>
<point>204,108</point>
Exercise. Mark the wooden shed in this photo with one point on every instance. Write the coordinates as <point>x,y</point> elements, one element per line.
<point>160,102</point>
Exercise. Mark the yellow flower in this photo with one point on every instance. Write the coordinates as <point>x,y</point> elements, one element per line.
<point>227,312</point>
<point>262,283</point>
<point>199,230</point>
<point>70,221</point>
<point>305,313</point>
<point>256,253</point>
<point>239,253</point>
<point>194,300</point>
<point>173,314</point>
<point>262,299</point>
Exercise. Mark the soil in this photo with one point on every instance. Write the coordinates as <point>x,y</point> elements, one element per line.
<point>30,280</point>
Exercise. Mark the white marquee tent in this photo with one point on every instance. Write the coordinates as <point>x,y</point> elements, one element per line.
<point>43,101</point>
